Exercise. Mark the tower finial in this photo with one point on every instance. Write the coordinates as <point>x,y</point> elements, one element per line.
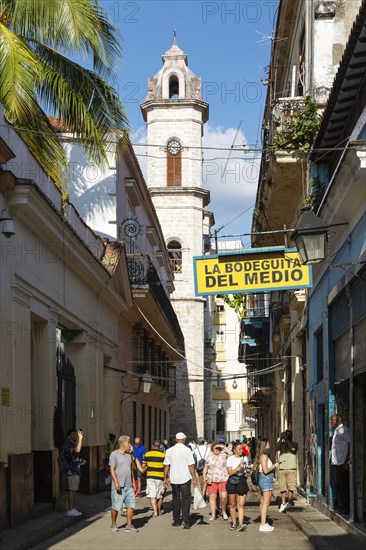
<point>174,36</point>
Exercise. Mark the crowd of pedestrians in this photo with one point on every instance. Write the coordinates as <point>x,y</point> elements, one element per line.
<point>218,470</point>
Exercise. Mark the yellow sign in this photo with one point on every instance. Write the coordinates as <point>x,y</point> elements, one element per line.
<point>222,393</point>
<point>256,270</point>
<point>5,397</point>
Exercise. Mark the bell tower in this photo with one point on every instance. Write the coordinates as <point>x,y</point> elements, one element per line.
<point>175,114</point>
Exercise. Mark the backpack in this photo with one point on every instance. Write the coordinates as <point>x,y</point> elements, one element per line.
<point>201,462</point>
<point>255,476</point>
<point>63,463</point>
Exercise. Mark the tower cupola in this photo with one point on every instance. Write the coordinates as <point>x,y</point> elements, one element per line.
<point>175,80</point>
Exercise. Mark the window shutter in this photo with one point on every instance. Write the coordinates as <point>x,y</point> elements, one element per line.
<point>359,336</point>
<point>342,357</point>
<point>170,170</point>
<point>178,170</point>
<point>174,170</point>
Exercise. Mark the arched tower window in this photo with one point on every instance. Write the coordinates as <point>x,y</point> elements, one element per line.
<point>173,87</point>
<point>175,256</point>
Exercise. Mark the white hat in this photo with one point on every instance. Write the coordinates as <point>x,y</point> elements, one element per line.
<point>180,435</point>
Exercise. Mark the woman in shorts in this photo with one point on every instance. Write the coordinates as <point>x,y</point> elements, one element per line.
<point>265,483</point>
<point>237,487</point>
<point>215,475</point>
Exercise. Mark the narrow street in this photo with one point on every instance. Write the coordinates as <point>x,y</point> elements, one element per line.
<point>93,532</point>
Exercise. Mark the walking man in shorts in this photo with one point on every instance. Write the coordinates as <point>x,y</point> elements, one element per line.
<point>122,493</point>
<point>153,462</point>
<point>287,472</point>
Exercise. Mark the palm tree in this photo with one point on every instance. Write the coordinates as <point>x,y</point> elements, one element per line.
<point>38,78</point>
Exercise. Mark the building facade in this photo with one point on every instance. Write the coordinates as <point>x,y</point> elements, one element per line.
<point>76,332</point>
<point>308,68</point>
<point>337,302</point>
<point>175,113</point>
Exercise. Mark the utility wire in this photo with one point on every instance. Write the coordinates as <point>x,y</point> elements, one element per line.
<point>241,148</point>
<point>169,345</point>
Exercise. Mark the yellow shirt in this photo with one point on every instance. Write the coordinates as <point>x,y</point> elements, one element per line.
<point>155,464</point>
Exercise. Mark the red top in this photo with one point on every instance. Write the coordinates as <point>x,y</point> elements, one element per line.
<point>245,450</point>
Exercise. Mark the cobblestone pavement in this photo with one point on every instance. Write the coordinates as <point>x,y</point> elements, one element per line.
<point>93,532</point>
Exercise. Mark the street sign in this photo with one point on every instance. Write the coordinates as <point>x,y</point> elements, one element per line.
<point>253,270</point>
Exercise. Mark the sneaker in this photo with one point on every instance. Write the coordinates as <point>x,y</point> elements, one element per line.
<point>113,528</point>
<point>225,517</point>
<point>131,529</point>
<point>242,527</point>
<point>176,524</point>
<point>212,519</point>
<point>232,526</point>
<point>282,507</point>
<point>185,525</point>
<point>73,513</point>
<point>266,528</point>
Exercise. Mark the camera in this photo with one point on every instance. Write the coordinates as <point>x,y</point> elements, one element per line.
<point>81,431</point>
<point>119,492</point>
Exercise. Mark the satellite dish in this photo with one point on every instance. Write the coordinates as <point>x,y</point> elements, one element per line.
<point>276,113</point>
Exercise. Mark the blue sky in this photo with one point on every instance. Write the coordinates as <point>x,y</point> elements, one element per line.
<point>225,46</point>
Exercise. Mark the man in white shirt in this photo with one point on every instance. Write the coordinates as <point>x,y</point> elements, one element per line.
<point>340,462</point>
<point>179,471</point>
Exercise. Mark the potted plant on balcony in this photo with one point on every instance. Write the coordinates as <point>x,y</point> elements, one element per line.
<point>300,132</point>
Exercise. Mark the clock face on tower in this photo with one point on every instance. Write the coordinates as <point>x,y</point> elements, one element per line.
<point>174,147</point>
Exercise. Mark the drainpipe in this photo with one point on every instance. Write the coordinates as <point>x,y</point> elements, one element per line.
<point>310,45</point>
<point>351,421</point>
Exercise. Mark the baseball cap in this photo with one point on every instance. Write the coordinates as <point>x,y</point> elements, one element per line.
<point>180,435</point>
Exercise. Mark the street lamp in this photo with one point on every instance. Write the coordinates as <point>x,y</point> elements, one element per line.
<point>235,385</point>
<point>310,236</point>
<point>145,383</point>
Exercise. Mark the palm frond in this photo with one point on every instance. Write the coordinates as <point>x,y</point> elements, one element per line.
<point>85,103</point>
<point>70,26</point>
<point>18,72</point>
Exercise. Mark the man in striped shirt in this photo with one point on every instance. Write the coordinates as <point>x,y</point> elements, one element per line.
<point>153,462</point>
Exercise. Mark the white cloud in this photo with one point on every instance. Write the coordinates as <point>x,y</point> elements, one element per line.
<point>231,179</point>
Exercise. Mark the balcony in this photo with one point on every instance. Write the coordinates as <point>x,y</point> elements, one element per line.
<point>219,318</point>
<point>257,305</point>
<point>220,351</point>
<point>259,387</point>
<point>149,292</point>
<point>284,111</point>
<point>149,357</point>
<point>284,168</point>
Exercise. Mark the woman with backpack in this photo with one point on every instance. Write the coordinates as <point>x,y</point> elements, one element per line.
<point>265,480</point>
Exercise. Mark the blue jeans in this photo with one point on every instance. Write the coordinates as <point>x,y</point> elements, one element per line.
<point>181,501</point>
